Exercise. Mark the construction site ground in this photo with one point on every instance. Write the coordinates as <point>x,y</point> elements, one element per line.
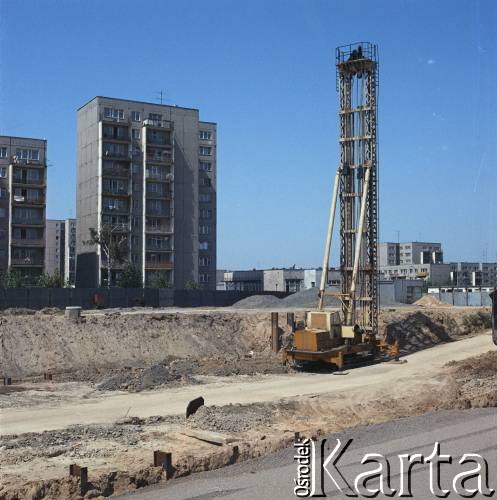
<point>121,381</point>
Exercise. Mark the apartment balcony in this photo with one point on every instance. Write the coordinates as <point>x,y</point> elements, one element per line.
<point>26,200</point>
<point>160,177</point>
<point>149,264</point>
<point>159,195</point>
<point>116,172</point>
<point>22,162</point>
<point>116,192</point>
<point>110,119</point>
<point>149,247</point>
<point>162,229</point>
<point>115,210</point>
<point>116,137</point>
<point>162,124</point>
<point>27,261</point>
<point>22,242</point>
<point>19,221</point>
<point>159,213</point>
<point>24,181</point>
<point>165,159</point>
<point>115,155</point>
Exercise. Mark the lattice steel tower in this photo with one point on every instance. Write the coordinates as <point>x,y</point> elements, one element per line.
<point>356,187</point>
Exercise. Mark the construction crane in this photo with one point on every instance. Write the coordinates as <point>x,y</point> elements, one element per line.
<point>332,336</point>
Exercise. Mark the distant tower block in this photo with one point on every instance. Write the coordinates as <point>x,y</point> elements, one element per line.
<point>357,84</point>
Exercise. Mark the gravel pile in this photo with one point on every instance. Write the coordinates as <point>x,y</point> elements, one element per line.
<point>231,418</point>
<point>139,379</point>
<point>307,299</point>
<point>50,439</point>
<point>258,302</point>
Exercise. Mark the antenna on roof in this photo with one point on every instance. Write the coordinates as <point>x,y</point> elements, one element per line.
<point>161,96</point>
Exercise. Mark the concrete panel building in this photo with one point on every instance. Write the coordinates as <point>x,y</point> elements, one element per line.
<point>148,172</point>
<point>436,274</point>
<point>246,281</point>
<point>473,274</point>
<point>412,252</point>
<point>70,251</point>
<point>55,246</point>
<point>22,206</point>
<point>283,280</point>
<point>60,248</point>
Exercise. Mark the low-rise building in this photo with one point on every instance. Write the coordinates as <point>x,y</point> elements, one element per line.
<point>245,281</point>
<point>312,277</point>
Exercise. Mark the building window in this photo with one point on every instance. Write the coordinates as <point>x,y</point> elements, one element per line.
<point>135,133</point>
<point>203,278</point>
<point>155,117</point>
<point>204,261</point>
<point>206,181</point>
<point>204,229</point>
<point>203,245</point>
<point>28,154</point>
<point>205,151</point>
<point>205,213</point>
<point>205,135</point>
<point>3,172</point>
<point>3,152</point>
<point>2,212</point>
<point>114,113</point>
<point>3,192</point>
<point>136,116</point>
<point>204,197</point>
<point>205,166</point>
<point>136,168</point>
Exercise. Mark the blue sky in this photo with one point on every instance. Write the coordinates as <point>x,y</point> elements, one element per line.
<point>264,71</point>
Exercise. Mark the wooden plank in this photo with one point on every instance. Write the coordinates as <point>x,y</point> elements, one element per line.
<point>208,436</point>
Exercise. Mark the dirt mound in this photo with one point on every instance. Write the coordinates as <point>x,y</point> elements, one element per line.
<point>422,329</point>
<point>429,300</point>
<point>231,418</point>
<point>138,379</point>
<point>34,345</point>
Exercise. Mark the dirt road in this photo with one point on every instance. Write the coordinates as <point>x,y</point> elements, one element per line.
<point>108,407</point>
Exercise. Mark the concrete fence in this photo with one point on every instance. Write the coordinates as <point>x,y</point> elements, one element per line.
<point>476,299</point>
<point>89,298</point>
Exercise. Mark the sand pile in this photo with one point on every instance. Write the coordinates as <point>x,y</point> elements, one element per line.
<point>430,300</point>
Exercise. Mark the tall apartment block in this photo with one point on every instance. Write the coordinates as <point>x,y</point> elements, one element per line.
<point>147,172</point>
<point>60,248</point>
<point>22,206</point>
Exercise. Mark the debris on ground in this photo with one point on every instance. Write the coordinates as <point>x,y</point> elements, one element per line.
<point>232,418</point>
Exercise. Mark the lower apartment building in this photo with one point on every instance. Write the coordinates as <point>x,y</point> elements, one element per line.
<point>436,274</point>
<point>147,172</point>
<point>22,206</point>
<point>473,274</point>
<point>60,248</point>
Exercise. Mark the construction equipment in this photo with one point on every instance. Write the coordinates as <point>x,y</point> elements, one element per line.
<point>332,336</point>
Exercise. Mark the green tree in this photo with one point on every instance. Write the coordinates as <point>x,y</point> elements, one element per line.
<point>192,285</point>
<point>55,280</point>
<point>131,277</point>
<point>12,279</point>
<point>161,281</point>
<point>111,242</point>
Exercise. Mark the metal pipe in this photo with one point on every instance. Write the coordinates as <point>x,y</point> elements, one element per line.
<point>358,243</point>
<point>331,223</point>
